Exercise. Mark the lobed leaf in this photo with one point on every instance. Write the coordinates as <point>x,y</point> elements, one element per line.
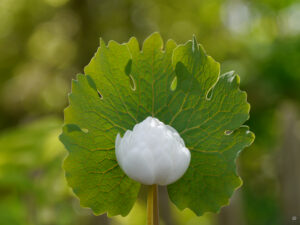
<point>181,86</point>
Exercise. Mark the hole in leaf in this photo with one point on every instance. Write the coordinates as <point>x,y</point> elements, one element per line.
<point>91,82</point>
<point>228,132</point>
<point>75,128</point>
<point>209,94</point>
<point>128,67</point>
<point>173,84</point>
<point>93,85</point>
<point>132,82</point>
<point>72,127</point>
<point>84,130</point>
<point>100,95</point>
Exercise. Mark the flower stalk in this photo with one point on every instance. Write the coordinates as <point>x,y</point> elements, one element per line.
<point>152,205</point>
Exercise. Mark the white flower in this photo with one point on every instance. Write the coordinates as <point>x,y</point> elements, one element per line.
<point>153,153</point>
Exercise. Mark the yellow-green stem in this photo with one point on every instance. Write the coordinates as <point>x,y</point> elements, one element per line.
<point>152,205</point>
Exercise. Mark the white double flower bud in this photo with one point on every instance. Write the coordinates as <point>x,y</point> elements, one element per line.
<point>152,153</point>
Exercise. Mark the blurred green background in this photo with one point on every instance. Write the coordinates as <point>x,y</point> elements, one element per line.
<point>44,43</point>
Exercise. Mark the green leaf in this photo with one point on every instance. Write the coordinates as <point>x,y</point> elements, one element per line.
<point>98,111</point>
<point>209,120</point>
<point>122,86</point>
